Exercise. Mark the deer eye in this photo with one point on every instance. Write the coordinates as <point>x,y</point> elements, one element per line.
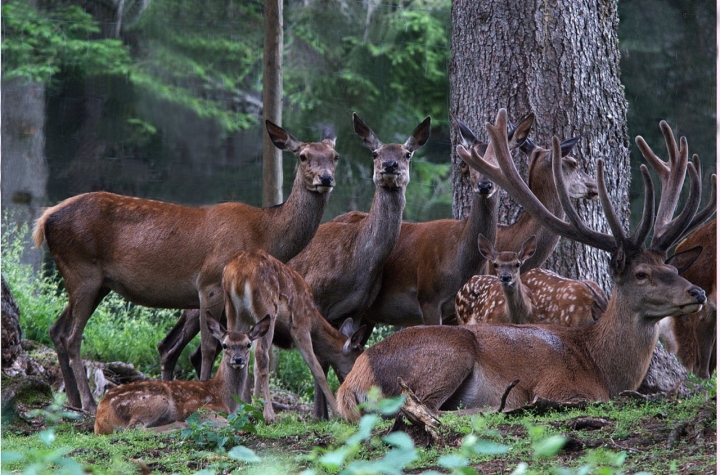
<point>303,157</point>
<point>249,345</point>
<point>224,346</point>
<point>375,154</point>
<point>517,264</point>
<point>408,155</point>
<point>641,275</point>
<point>337,157</point>
<point>495,265</point>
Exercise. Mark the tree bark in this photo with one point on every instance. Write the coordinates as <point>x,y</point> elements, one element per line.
<point>272,100</point>
<point>559,59</point>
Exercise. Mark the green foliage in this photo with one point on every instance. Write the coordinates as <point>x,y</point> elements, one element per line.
<point>45,459</point>
<point>38,45</point>
<point>203,56</point>
<point>209,435</point>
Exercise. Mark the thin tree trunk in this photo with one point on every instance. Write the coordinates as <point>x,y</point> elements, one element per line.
<point>272,100</point>
<point>559,59</point>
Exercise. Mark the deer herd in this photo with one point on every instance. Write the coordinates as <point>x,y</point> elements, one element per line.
<point>487,326</point>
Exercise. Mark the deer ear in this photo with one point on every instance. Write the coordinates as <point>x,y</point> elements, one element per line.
<point>282,138</point>
<point>353,343</point>
<point>683,260</point>
<point>617,262</point>
<point>518,135</point>
<point>370,140</point>
<point>528,249</point>
<point>567,145</point>
<point>329,135</point>
<point>419,136</point>
<point>260,328</point>
<point>486,248</point>
<point>347,328</point>
<point>216,329</point>
<point>596,310</point>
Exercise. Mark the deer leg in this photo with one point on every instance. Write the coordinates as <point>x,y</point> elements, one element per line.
<point>170,347</point>
<point>211,299</point>
<point>262,370</point>
<point>196,358</point>
<point>319,401</point>
<point>304,345</point>
<point>83,307</point>
<point>57,330</point>
<point>431,314</point>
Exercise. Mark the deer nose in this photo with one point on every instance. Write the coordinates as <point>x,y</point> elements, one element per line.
<point>698,294</point>
<point>505,278</point>
<point>390,167</point>
<point>239,360</point>
<point>326,180</point>
<point>484,187</point>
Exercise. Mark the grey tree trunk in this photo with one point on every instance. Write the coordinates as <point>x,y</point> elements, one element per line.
<point>24,169</point>
<point>272,100</point>
<point>559,59</point>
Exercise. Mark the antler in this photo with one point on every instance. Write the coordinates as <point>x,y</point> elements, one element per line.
<point>506,176</point>
<point>667,230</point>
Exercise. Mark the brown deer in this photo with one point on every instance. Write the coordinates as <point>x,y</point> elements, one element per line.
<point>255,284</point>
<point>432,260</point>
<point>537,296</point>
<point>164,255</point>
<point>693,337</point>
<point>156,403</point>
<point>343,262</point>
<point>476,365</point>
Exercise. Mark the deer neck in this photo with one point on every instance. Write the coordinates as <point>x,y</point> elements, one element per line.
<point>381,228</point>
<point>542,185</point>
<point>226,382</point>
<point>328,345</point>
<point>621,344</point>
<point>292,225</point>
<point>518,307</point>
<point>482,219</point>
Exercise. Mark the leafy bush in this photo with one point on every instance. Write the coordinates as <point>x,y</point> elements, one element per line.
<point>210,435</point>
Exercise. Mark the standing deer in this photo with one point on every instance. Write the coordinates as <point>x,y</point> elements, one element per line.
<point>255,284</point>
<point>432,260</point>
<point>156,403</point>
<point>693,337</point>
<point>343,262</point>
<point>164,255</point>
<point>537,296</point>
<point>476,365</point>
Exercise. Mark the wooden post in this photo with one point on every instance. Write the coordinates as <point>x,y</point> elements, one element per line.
<point>272,101</point>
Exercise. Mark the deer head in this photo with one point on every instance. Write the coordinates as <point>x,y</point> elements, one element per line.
<point>236,344</point>
<point>392,161</point>
<point>516,137</point>
<point>317,160</point>
<point>506,263</point>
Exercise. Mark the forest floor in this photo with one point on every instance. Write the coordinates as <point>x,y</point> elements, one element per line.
<point>660,434</point>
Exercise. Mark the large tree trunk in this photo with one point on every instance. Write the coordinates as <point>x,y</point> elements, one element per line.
<point>561,62</point>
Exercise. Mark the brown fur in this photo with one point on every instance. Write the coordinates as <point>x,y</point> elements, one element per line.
<point>159,254</point>
<point>693,337</point>
<point>256,284</point>
<point>155,403</point>
<point>593,362</point>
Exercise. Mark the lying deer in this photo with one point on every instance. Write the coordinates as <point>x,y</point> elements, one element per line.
<point>156,403</point>
<point>475,366</point>
<point>693,338</point>
<point>255,284</point>
<point>164,255</point>
<point>537,296</point>
<point>343,262</point>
